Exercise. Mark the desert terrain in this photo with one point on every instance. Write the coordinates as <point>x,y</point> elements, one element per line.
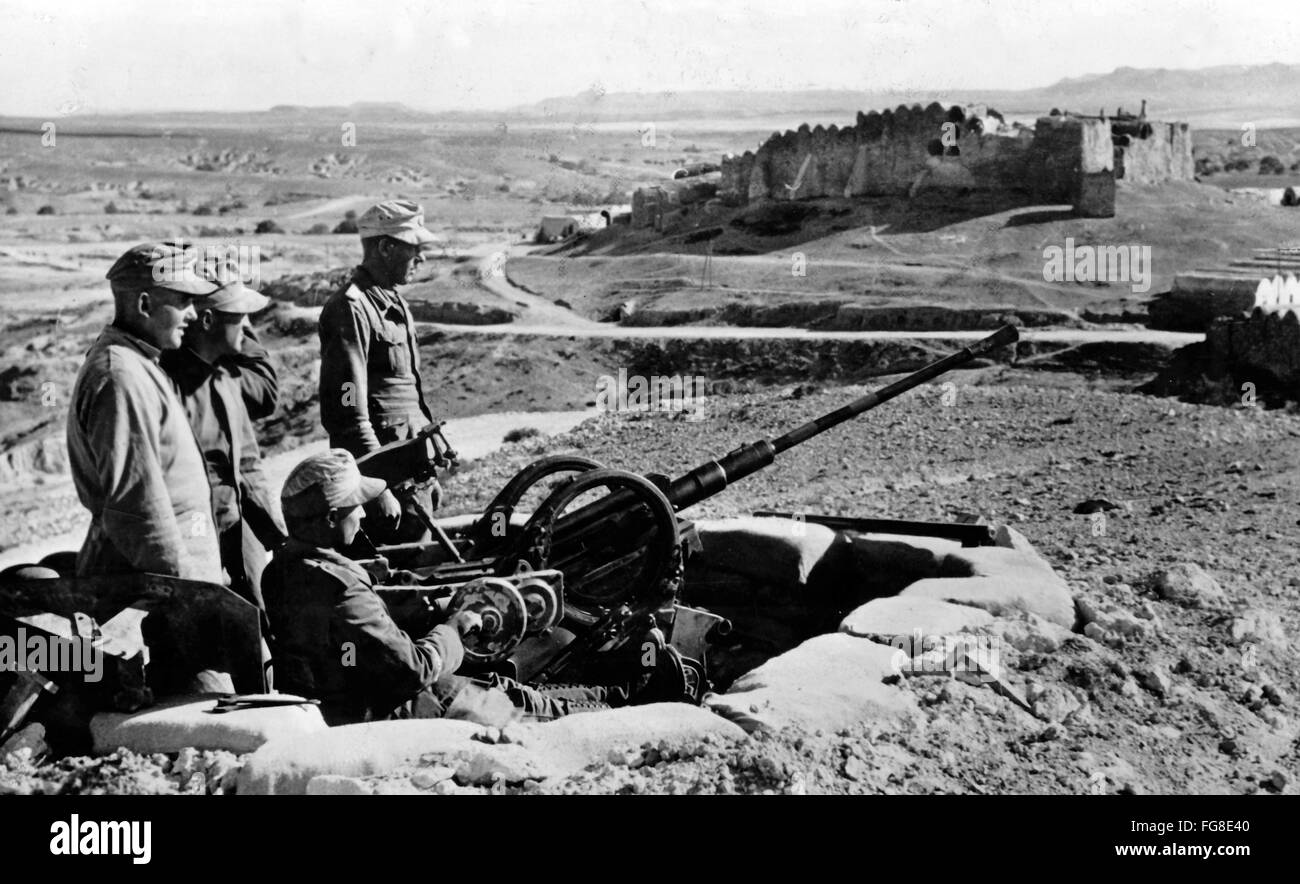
<point>1191,693</point>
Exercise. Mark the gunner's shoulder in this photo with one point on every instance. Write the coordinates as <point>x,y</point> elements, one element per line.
<point>331,570</point>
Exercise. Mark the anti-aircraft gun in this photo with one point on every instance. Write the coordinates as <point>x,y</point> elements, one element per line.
<point>587,585</point>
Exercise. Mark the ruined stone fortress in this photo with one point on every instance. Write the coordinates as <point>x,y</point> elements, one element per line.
<point>1065,158</point>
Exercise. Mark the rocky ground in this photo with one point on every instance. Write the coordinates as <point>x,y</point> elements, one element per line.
<point>1173,523</point>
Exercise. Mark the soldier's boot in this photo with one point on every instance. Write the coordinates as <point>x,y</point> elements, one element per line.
<point>553,701</point>
<point>674,679</point>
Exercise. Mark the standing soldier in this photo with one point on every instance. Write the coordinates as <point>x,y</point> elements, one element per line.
<point>134,460</point>
<point>226,381</point>
<point>370,388</point>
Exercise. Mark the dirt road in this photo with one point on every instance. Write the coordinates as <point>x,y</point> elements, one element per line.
<point>538,312</point>
<point>679,332</point>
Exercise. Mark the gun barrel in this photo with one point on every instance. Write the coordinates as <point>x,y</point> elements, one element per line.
<point>708,479</point>
<point>1005,335</point>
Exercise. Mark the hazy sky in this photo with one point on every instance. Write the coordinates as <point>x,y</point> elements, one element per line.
<point>104,55</point>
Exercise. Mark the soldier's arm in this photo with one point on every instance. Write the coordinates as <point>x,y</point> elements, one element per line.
<point>388,658</point>
<point>344,349</point>
<point>258,382</point>
<point>124,424</point>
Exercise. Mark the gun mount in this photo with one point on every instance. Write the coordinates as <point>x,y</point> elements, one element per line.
<point>613,564</point>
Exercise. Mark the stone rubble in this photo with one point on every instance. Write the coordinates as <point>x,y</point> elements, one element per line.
<point>27,743</point>
<point>1256,625</point>
<point>1189,585</point>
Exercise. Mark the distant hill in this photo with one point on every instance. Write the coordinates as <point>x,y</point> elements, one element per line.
<point>1220,93</point>
<point>1183,93</point>
<point>175,121</point>
<point>384,110</point>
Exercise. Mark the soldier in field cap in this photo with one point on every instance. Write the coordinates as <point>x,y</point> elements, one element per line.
<point>133,457</point>
<point>225,380</point>
<point>371,393</point>
<point>335,639</point>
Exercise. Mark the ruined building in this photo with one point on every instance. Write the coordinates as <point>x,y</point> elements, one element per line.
<point>1244,355</point>
<point>1065,158</point>
<point>1250,313</point>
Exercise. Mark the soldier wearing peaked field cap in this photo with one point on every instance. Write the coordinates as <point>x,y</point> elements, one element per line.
<point>134,460</point>
<point>334,638</point>
<point>400,219</point>
<point>226,381</point>
<point>166,265</point>
<point>371,392</point>
<point>326,482</point>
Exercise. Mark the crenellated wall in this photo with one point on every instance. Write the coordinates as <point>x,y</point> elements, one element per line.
<point>1256,355</point>
<point>1065,159</point>
<point>1264,350</point>
<point>882,154</point>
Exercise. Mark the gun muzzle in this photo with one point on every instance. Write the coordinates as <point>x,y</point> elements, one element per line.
<point>1008,334</point>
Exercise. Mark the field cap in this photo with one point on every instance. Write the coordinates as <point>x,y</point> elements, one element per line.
<point>401,219</point>
<point>326,481</point>
<point>234,297</point>
<point>161,265</point>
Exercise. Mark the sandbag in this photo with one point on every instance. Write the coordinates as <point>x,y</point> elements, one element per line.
<point>911,615</point>
<point>534,751</point>
<point>1000,580</point>
<point>579,740</point>
<point>827,683</point>
<point>185,722</point>
<point>776,551</point>
<point>286,765</point>
<point>882,564</point>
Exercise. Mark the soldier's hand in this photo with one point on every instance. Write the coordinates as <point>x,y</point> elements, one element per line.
<point>402,577</point>
<point>388,509</point>
<point>466,622</point>
<point>435,494</point>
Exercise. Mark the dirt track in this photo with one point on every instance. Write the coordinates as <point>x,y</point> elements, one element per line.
<point>688,333</point>
<point>537,311</point>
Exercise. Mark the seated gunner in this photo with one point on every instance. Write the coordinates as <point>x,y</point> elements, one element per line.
<point>334,638</point>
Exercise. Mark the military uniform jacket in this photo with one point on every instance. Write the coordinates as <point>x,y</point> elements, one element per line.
<point>137,468</point>
<point>335,640</point>
<point>222,400</point>
<point>370,388</point>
